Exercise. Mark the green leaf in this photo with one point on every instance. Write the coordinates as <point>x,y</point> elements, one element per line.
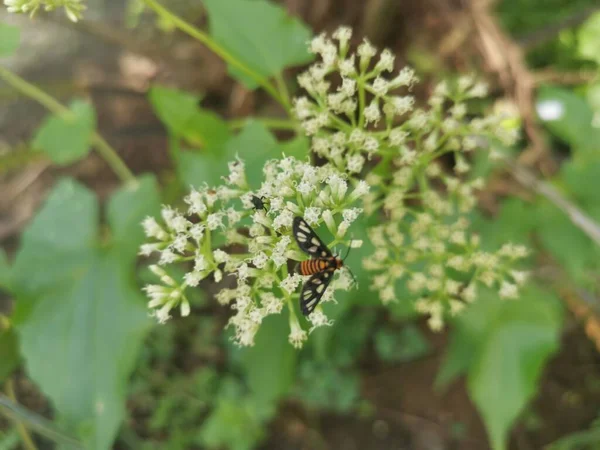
<point>569,117</point>
<point>9,353</point>
<point>254,144</point>
<point>514,222</point>
<point>298,147</point>
<point>67,139</point>
<point>173,107</point>
<point>77,301</point>
<point>269,365</point>
<point>184,118</point>
<point>259,34</point>
<point>505,370</point>
<point>126,210</point>
<point>567,243</point>
<point>208,131</point>
<point>588,38</point>
<point>580,176</point>
<point>465,340</point>
<point>10,37</point>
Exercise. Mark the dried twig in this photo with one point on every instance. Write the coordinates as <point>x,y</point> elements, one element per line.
<point>551,76</point>
<point>579,218</point>
<point>504,57</point>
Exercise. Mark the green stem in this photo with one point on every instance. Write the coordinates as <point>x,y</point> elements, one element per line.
<point>33,92</point>
<point>25,418</point>
<point>54,106</point>
<point>283,90</point>
<point>216,48</point>
<point>111,157</point>
<point>272,123</point>
<point>28,443</point>
<point>361,102</point>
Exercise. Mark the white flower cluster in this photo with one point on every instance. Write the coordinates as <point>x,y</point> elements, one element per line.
<point>353,110</point>
<point>264,284</point>
<point>73,8</point>
<point>432,255</point>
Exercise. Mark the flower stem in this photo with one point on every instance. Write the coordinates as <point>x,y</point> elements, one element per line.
<point>111,157</point>
<point>283,90</point>
<point>269,122</point>
<point>25,419</point>
<point>108,153</point>
<point>194,32</point>
<point>28,443</point>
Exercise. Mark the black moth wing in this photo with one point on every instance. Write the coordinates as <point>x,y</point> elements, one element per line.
<point>313,290</point>
<point>308,241</point>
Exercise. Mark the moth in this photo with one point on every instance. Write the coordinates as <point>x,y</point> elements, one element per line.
<point>258,202</point>
<point>321,266</point>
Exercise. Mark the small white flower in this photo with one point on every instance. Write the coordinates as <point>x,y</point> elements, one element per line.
<point>508,290</point>
<point>220,256</point>
<point>290,283</point>
<point>312,215</point>
<point>318,319</point>
<point>167,257</point>
<point>260,260</point>
<point>297,335</point>
<point>153,229</point>
<point>214,221</point>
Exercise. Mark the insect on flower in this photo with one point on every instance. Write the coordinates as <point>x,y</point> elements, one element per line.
<point>258,202</point>
<point>321,266</point>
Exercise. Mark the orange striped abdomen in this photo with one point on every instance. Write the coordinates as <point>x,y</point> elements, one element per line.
<point>312,266</point>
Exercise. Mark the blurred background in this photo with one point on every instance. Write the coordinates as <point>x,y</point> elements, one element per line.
<point>369,383</point>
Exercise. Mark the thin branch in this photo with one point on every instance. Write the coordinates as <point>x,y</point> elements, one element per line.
<point>16,412</point>
<point>579,218</point>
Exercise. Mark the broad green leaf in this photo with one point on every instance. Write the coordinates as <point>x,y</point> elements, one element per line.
<point>173,107</point>
<point>208,131</point>
<point>254,145</point>
<point>67,139</point>
<point>567,243</point>
<point>569,117</point>
<point>580,176</point>
<point>195,169</point>
<point>589,38</point>
<point>9,353</point>
<point>269,365</point>
<point>185,119</point>
<point>77,301</point>
<point>298,147</point>
<point>259,34</point>
<point>126,210</point>
<point>506,368</point>
<point>514,223</point>
<point>467,333</point>
<point>10,37</point>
